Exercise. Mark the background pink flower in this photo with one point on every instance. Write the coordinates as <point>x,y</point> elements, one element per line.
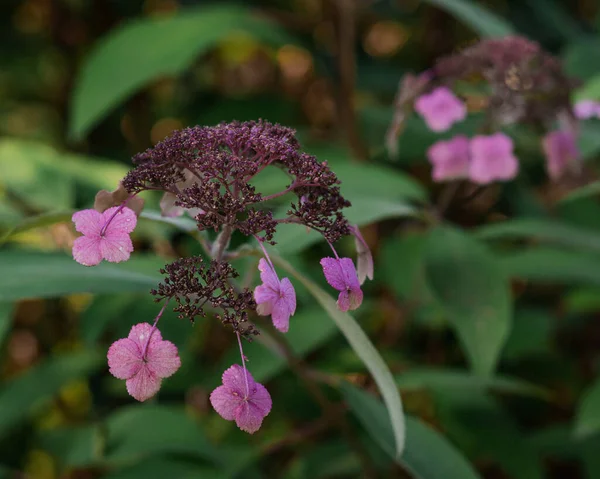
<point>341,274</point>
<point>143,359</point>
<point>560,150</point>
<point>585,109</point>
<point>113,244</point>
<point>242,400</point>
<point>450,158</point>
<point>440,109</point>
<point>492,159</point>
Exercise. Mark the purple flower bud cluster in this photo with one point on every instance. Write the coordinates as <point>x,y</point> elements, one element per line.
<point>207,173</point>
<point>524,85</point>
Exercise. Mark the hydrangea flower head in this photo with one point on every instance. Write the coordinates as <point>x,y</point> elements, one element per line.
<point>440,109</point>
<point>341,274</point>
<point>561,150</point>
<point>274,297</point>
<point>492,159</point>
<point>143,359</point>
<point>450,159</point>
<point>241,399</point>
<point>105,235</point>
<point>585,109</point>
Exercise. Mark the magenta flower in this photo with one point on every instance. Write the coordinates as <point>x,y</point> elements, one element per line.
<point>450,159</point>
<point>492,159</point>
<point>274,297</point>
<point>105,235</point>
<point>560,149</point>
<point>143,358</point>
<point>440,109</point>
<point>241,399</point>
<point>585,109</point>
<point>341,274</point>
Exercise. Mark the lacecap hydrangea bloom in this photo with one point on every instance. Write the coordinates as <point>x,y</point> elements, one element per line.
<point>206,173</point>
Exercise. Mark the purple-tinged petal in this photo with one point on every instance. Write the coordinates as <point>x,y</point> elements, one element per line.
<point>86,250</point>
<point>585,109</point>
<point>247,418</point>
<point>355,297</point>
<point>140,332</point>
<point>233,378</point>
<point>349,272</point>
<point>264,309</point>
<point>343,301</point>
<point>143,385</point>
<point>225,401</point>
<point>265,294</point>
<point>162,358</point>
<point>288,294</point>
<point>492,159</point>
<point>281,316</point>
<point>122,223</point>
<point>267,275</point>
<point>261,399</point>
<point>88,222</point>
<point>116,248</point>
<point>561,150</point>
<point>124,358</point>
<point>333,273</point>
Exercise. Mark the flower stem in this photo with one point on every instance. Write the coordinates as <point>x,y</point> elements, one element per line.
<point>117,211</point>
<point>158,316</point>
<point>220,244</point>
<point>239,339</point>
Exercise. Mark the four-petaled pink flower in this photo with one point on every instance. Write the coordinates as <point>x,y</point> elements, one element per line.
<point>440,109</point>
<point>274,297</point>
<point>561,150</point>
<point>492,159</point>
<point>101,239</point>
<point>341,274</point>
<point>143,358</point>
<point>585,109</point>
<point>241,399</point>
<point>450,159</point>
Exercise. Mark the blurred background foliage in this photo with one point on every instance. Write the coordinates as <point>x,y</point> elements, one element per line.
<point>490,326</point>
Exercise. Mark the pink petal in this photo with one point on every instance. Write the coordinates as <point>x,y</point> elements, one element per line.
<point>560,150</point>
<point>123,222</point>
<point>440,109</point>
<point>343,301</point>
<point>124,358</point>
<point>248,418</point>
<point>225,401</point>
<point>233,378</point>
<point>288,294</point>
<point>143,385</point>
<point>116,247</point>
<point>261,399</point>
<point>88,222</point>
<point>281,315</point>
<point>267,275</point>
<point>333,273</point>
<point>140,332</point>
<point>264,309</point>
<point>585,109</point>
<point>86,250</point>
<point>349,272</point>
<point>355,297</point>
<point>365,258</point>
<point>492,159</point>
<point>264,293</point>
<point>163,359</point>
<point>450,159</point>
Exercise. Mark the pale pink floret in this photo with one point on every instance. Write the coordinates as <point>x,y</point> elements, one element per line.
<point>341,274</point>
<point>113,244</point>
<point>440,109</point>
<point>585,109</point>
<point>274,297</point>
<point>241,400</point>
<point>560,150</point>
<point>143,359</point>
<point>492,159</point>
<point>450,159</point>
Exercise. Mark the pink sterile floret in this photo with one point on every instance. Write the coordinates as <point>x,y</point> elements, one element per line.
<point>274,297</point>
<point>103,240</point>
<point>242,400</point>
<point>492,159</point>
<point>440,109</point>
<point>585,109</point>
<point>561,150</point>
<point>450,159</point>
<point>341,274</point>
<point>143,358</point>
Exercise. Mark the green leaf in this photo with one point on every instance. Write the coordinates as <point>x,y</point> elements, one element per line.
<point>552,265</point>
<point>467,282</point>
<point>435,379</point>
<point>587,419</point>
<point>582,57</point>
<point>33,274</point>
<point>133,55</point>
<point>479,18</point>
<point>40,383</point>
<point>591,189</point>
<point>365,350</point>
<point>590,90</point>
<point>427,455</point>
<point>183,223</point>
<point>292,238</point>
<point>131,434</point>
<point>6,312</point>
<point>73,446</point>
<point>38,221</point>
<point>166,467</point>
<point>549,231</point>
